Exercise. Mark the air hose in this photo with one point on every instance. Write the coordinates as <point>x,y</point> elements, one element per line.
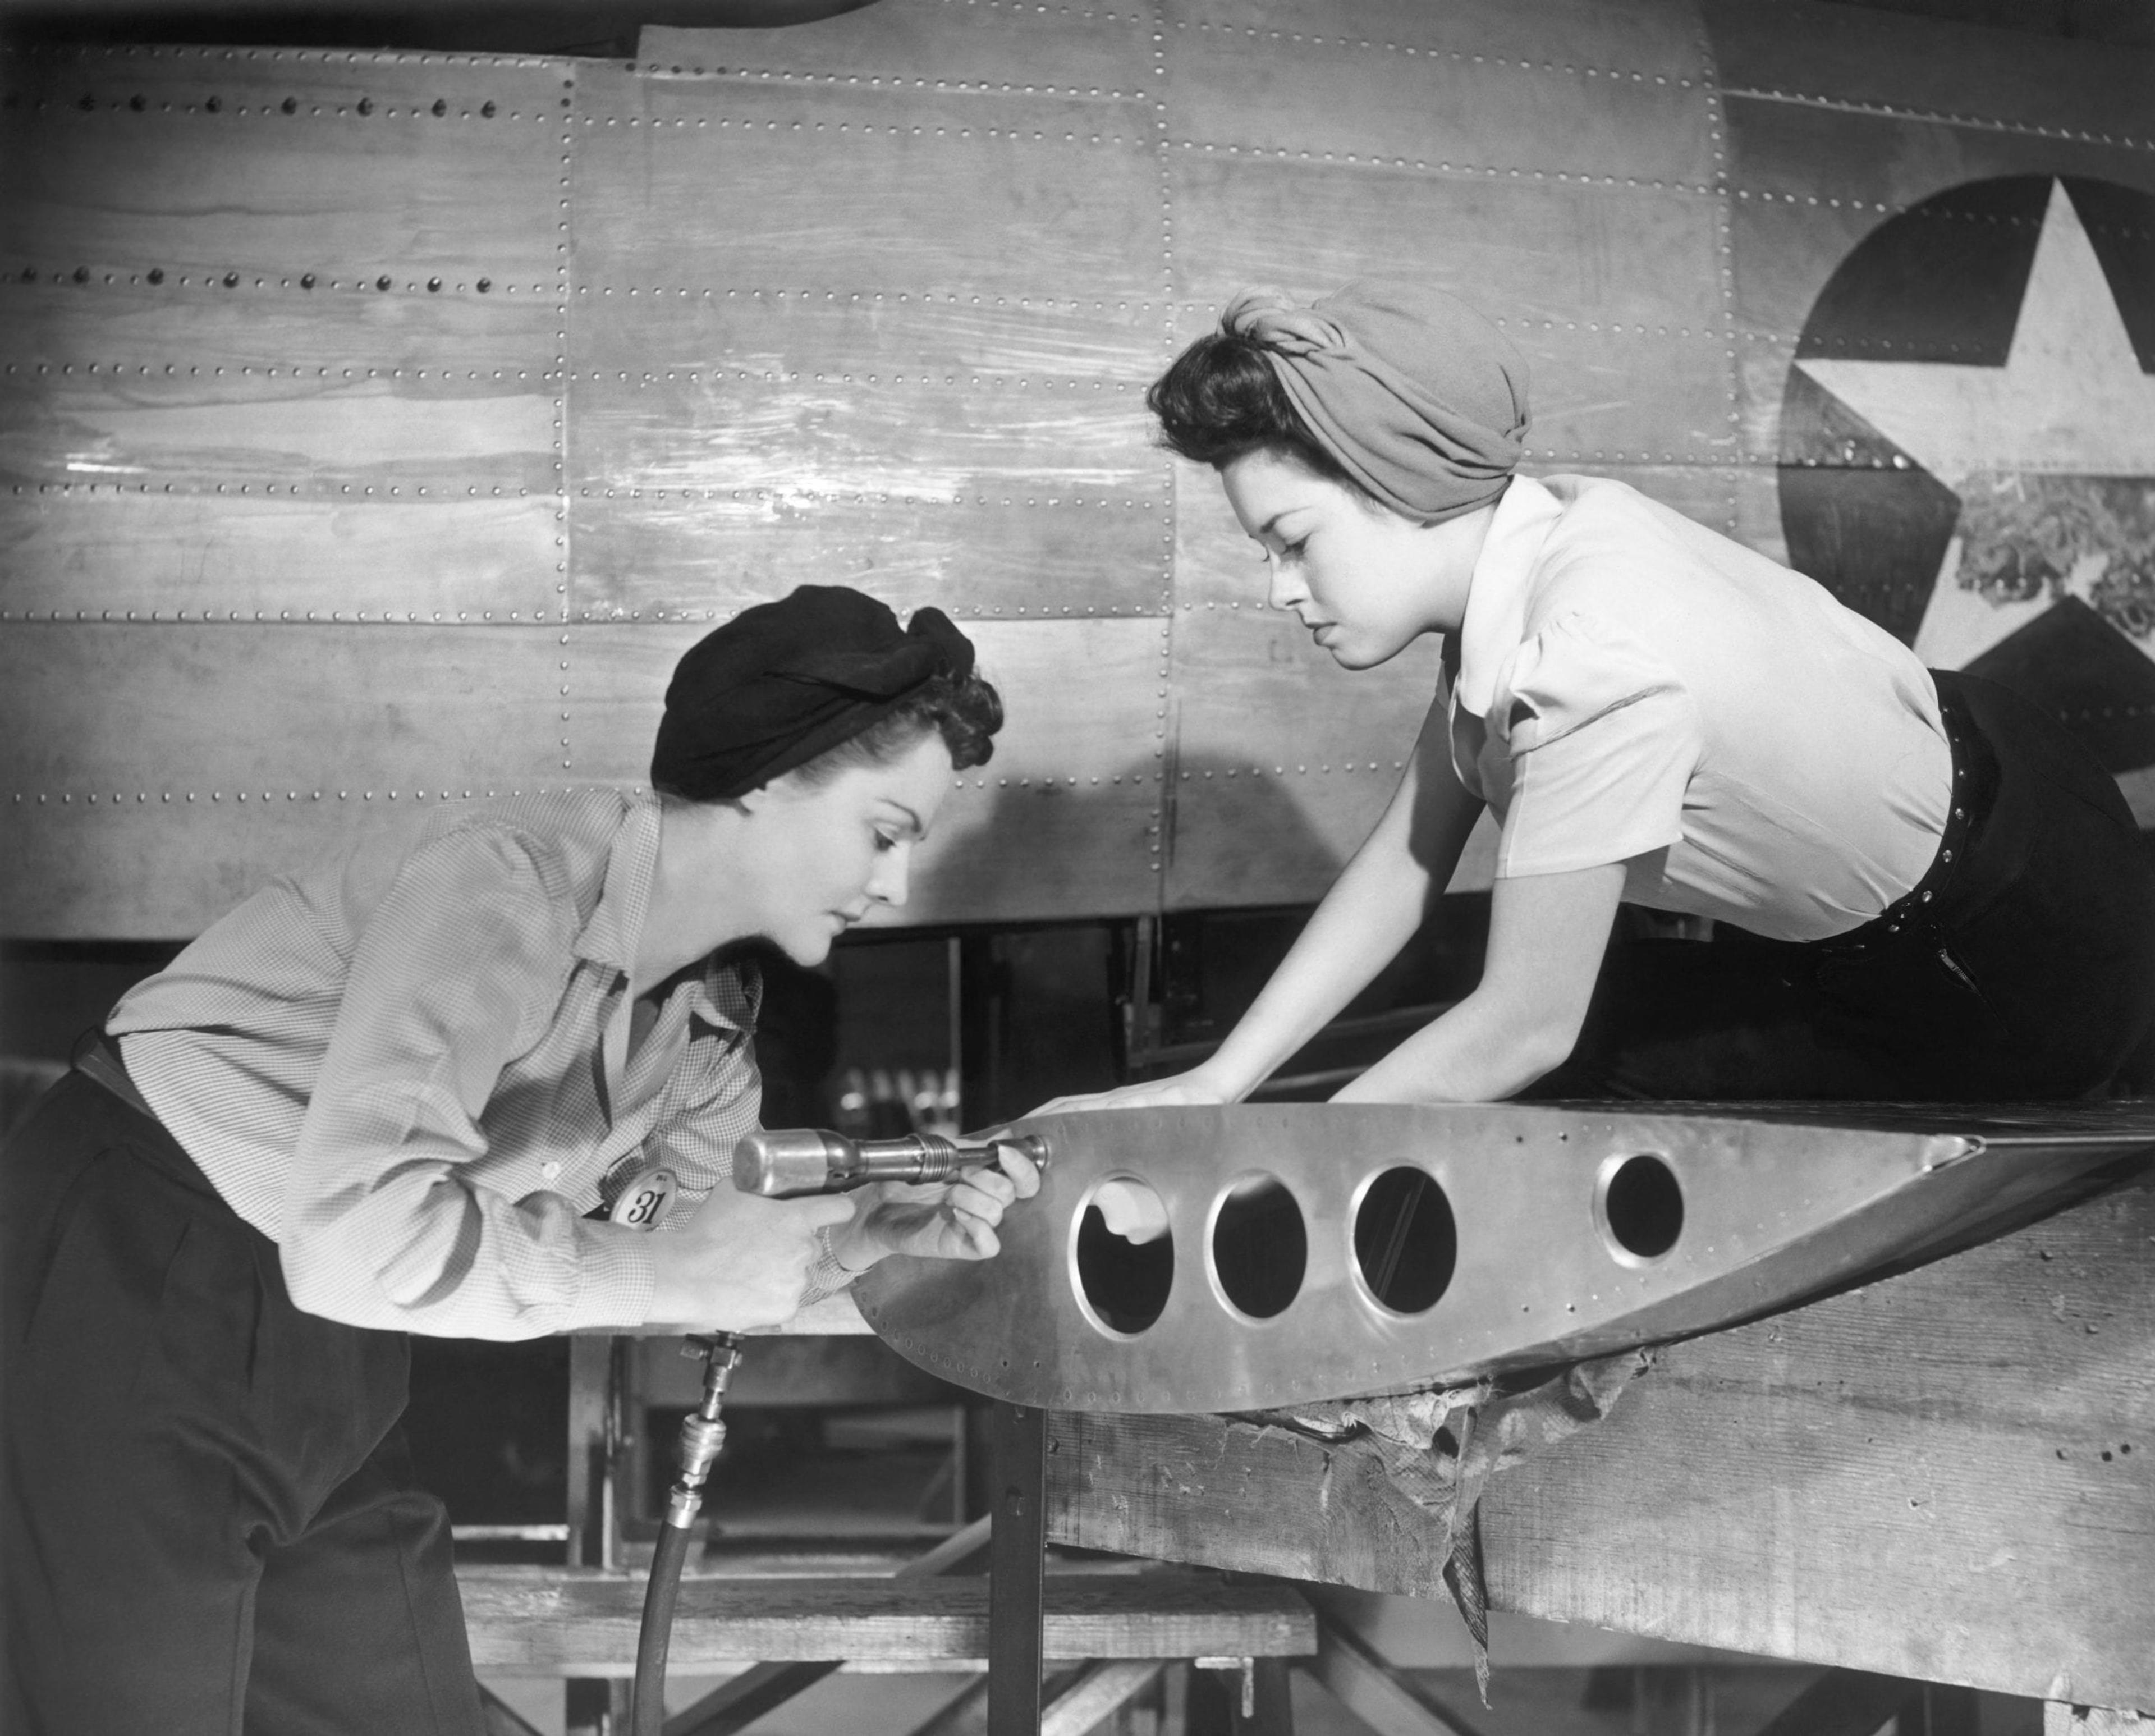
<point>702,1433</point>
<point>783,1164</point>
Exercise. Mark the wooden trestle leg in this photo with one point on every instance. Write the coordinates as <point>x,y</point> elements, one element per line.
<point>1017,1563</point>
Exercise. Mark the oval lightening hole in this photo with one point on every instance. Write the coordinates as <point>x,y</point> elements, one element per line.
<point>1405,1241</point>
<point>1645,1207</point>
<point>1127,1282</point>
<point>1260,1246</point>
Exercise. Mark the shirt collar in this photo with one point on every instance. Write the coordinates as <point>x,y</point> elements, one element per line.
<point>1497,594</point>
<point>725,993</point>
<point>615,928</point>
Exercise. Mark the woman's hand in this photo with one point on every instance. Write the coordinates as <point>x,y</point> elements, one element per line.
<point>740,1262</point>
<point>1179,1090</point>
<point>940,1220</point>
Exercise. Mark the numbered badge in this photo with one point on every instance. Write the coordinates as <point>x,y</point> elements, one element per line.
<point>646,1200</point>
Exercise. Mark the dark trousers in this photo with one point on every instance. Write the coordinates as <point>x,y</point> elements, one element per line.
<point>208,1522</point>
<point>2023,969</point>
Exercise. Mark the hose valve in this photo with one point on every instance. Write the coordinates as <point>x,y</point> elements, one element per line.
<point>703,1432</point>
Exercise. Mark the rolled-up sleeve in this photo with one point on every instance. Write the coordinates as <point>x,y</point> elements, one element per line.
<point>389,1221</point>
<point>1603,740</point>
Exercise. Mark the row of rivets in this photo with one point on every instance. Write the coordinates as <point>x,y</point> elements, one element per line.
<point>303,56</point>
<point>263,617</point>
<point>789,497</point>
<point>1430,51</point>
<point>1986,123</point>
<point>875,81</point>
<point>975,382</point>
<point>365,107</point>
<point>156,275</point>
<point>1163,168</point>
<point>142,796</point>
<point>864,128</point>
<point>1846,346</point>
<point>1725,248</point>
<point>142,371</point>
<point>1043,786</point>
<point>1046,784</point>
<point>291,490</point>
<point>835,296</point>
<point>1209,311</point>
<point>1346,769</point>
<point>834,497</point>
<point>1284,153</point>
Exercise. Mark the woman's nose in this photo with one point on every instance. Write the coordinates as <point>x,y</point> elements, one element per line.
<point>887,884</point>
<point>1283,589</point>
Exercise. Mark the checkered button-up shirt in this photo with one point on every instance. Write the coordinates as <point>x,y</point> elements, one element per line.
<point>417,1067</point>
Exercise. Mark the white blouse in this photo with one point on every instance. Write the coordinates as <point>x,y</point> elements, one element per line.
<point>1632,687</point>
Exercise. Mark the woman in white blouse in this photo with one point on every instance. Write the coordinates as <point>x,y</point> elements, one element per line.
<point>1922,888</point>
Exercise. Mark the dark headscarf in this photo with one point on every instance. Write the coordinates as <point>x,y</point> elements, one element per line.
<point>1421,400</point>
<point>783,682</point>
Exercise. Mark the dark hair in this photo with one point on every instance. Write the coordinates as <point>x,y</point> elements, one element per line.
<point>1220,400</point>
<point>966,710</point>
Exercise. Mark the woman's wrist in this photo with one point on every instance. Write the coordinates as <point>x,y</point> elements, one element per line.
<point>848,1248</point>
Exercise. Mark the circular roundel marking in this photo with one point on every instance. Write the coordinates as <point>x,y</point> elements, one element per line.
<point>1968,444</point>
<point>1122,1286</point>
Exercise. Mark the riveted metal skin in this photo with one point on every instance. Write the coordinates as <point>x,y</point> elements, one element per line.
<point>550,364</point>
<point>1777,1205</point>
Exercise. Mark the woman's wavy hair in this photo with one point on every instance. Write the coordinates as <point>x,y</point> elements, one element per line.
<point>1220,400</point>
<point>965,710</point>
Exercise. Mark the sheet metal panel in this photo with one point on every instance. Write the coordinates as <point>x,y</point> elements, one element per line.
<point>99,552</point>
<point>188,160</point>
<point>896,387</point>
<point>1283,760</point>
<point>1614,95</point>
<point>1653,36</point>
<point>1855,60</point>
<point>1058,50</point>
<point>1542,1263</point>
<point>147,818</point>
<point>1063,820</point>
<point>666,552</point>
<point>754,185</point>
<point>1612,296</point>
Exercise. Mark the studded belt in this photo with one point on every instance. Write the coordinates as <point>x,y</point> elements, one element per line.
<point>1915,915</point>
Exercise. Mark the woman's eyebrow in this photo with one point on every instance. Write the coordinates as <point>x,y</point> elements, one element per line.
<point>912,818</point>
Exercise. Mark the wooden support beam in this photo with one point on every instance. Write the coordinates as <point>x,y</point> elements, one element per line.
<point>1016,1567</point>
<point>1098,1695</point>
<point>1375,1692</point>
<point>737,1703</point>
<point>1947,1475</point>
<point>527,1621</point>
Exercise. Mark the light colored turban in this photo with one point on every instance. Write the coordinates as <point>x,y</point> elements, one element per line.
<point>1421,400</point>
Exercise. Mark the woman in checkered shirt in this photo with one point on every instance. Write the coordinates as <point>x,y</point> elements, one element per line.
<point>418,1089</point>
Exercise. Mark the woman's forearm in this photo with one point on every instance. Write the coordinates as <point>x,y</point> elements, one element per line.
<point>1547,934</point>
<point>1372,910</point>
<point>1483,1050</point>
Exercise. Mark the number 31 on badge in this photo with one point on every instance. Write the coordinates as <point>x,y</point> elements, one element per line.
<point>646,1200</point>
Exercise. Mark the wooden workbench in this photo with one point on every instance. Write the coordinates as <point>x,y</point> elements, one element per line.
<point>1948,1474</point>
